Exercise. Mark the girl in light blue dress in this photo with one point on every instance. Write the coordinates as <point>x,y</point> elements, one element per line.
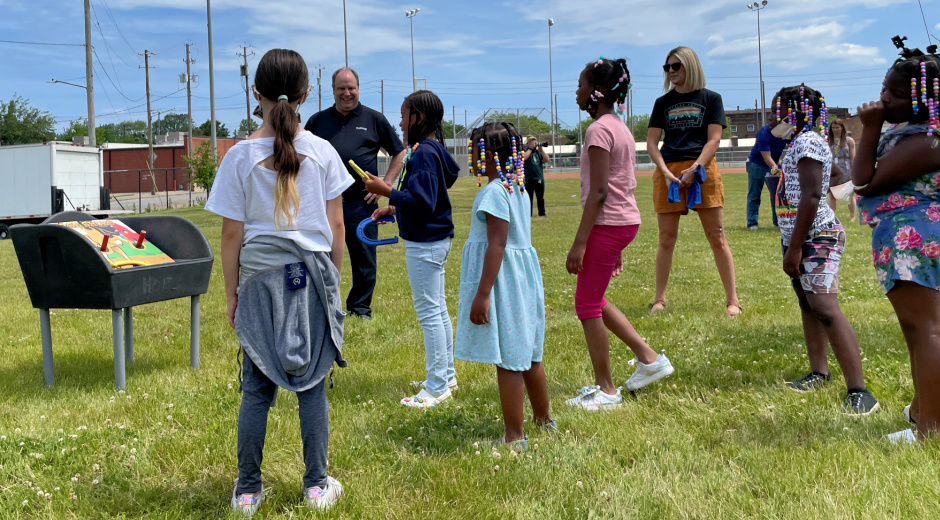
<point>501,310</point>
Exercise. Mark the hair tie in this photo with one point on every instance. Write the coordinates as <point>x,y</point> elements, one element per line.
<point>282,96</point>
<point>599,62</point>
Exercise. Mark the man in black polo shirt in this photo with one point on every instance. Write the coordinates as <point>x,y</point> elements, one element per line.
<point>358,132</point>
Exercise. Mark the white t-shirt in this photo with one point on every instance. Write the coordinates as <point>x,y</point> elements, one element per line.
<point>244,191</point>
<point>812,146</point>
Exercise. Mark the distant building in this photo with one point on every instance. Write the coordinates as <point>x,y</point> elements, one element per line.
<point>745,123</point>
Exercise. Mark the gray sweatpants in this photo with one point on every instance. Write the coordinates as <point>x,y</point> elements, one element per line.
<point>257,395</point>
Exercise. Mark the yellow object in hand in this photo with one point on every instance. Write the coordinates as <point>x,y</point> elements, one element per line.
<point>358,170</point>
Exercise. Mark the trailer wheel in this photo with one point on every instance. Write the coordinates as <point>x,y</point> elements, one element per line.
<point>4,232</point>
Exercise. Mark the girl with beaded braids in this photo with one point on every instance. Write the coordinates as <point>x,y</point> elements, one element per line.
<point>501,310</point>
<point>898,176</point>
<point>423,209</point>
<point>280,195</point>
<point>609,222</point>
<point>813,240</point>
<point>690,118</point>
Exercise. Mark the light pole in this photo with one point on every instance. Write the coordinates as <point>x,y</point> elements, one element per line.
<point>410,15</point>
<point>760,66</point>
<point>91,120</point>
<point>551,91</point>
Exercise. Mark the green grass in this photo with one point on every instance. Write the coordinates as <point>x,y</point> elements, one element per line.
<point>721,438</point>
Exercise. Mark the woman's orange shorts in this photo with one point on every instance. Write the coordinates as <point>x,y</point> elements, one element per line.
<point>713,192</point>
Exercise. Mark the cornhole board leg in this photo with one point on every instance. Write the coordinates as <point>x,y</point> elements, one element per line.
<point>129,334</point>
<point>194,332</point>
<point>117,327</point>
<point>46,332</point>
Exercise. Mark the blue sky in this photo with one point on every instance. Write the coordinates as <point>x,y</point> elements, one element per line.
<point>475,55</point>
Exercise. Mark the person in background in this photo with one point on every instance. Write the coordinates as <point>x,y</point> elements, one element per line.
<point>764,158</point>
<point>534,159</point>
<point>358,133</point>
<point>843,154</point>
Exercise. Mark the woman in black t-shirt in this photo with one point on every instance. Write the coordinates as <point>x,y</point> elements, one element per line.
<point>691,117</point>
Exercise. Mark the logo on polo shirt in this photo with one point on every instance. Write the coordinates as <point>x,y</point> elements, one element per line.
<point>364,129</point>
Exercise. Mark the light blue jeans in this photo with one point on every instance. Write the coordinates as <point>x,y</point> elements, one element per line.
<point>425,262</point>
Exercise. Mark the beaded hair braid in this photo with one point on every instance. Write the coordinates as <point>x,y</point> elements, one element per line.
<point>809,102</point>
<point>614,76</point>
<point>498,137</point>
<point>924,71</point>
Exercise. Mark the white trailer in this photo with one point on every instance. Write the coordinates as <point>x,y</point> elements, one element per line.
<point>39,180</point>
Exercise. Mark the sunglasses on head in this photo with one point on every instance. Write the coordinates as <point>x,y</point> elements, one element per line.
<point>674,66</point>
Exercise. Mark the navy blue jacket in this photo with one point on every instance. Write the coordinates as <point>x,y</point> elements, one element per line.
<point>422,206</point>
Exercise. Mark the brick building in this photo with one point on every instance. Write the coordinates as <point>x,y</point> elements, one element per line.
<point>125,165</point>
<point>745,123</point>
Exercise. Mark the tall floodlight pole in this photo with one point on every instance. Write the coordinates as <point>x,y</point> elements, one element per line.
<point>345,37</point>
<point>551,91</point>
<point>89,83</point>
<point>760,66</point>
<point>215,152</point>
<point>410,15</point>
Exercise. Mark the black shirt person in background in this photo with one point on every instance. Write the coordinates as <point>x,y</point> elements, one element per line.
<point>535,159</point>
<point>358,132</point>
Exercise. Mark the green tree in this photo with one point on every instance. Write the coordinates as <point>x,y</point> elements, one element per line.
<point>201,166</point>
<point>449,129</point>
<point>243,125</point>
<point>22,124</point>
<point>173,123</point>
<point>205,129</point>
<point>726,131</point>
<point>640,124</point>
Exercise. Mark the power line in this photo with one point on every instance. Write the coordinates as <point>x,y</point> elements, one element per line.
<point>44,43</point>
<point>116,26</point>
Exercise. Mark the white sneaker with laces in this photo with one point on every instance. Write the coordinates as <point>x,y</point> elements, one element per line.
<point>322,499</point>
<point>583,391</point>
<point>598,400</point>
<point>902,437</point>
<point>425,399</point>
<point>647,374</point>
<point>246,504</point>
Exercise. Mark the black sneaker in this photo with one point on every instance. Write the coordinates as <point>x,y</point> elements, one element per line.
<point>811,381</point>
<point>860,402</point>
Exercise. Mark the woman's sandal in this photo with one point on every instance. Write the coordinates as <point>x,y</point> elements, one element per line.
<point>733,309</point>
<point>657,307</point>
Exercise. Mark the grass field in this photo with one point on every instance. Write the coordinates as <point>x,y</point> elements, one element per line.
<point>722,438</point>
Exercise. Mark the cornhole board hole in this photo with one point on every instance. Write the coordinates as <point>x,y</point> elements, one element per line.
<point>65,269</point>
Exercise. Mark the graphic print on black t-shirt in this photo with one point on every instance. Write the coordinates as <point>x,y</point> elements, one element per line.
<point>685,115</point>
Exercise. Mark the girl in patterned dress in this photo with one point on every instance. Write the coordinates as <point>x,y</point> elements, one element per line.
<point>898,176</point>
<point>813,241</point>
<point>501,310</point>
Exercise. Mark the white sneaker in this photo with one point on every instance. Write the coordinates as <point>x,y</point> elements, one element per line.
<point>907,414</point>
<point>647,374</point>
<point>246,504</point>
<point>322,499</point>
<point>424,399</point>
<point>598,400</point>
<point>452,384</point>
<point>902,437</point>
<point>583,391</point>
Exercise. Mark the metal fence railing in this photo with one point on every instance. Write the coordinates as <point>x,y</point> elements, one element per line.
<point>142,190</point>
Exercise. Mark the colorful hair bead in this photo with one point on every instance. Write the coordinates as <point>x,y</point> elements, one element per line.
<point>914,94</point>
<point>518,168</point>
<point>499,170</point>
<point>923,83</point>
<point>824,118</point>
<point>802,100</point>
<point>778,109</point>
<point>481,162</point>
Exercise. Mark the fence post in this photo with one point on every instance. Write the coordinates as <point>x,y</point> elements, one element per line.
<point>140,199</point>
<point>166,186</point>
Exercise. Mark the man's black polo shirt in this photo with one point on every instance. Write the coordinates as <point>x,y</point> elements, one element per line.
<point>358,136</point>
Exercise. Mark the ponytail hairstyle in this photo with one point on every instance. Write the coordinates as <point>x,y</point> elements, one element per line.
<point>429,114</point>
<point>282,77</point>
<point>503,141</point>
<point>804,108</point>
<point>609,78</point>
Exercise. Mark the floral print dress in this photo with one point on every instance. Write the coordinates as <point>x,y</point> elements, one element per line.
<point>905,237</point>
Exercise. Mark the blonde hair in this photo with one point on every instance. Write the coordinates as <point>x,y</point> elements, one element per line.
<point>694,75</point>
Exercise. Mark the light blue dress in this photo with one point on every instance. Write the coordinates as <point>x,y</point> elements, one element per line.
<point>514,336</point>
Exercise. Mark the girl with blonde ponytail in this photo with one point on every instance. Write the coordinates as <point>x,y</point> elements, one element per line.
<point>279,195</point>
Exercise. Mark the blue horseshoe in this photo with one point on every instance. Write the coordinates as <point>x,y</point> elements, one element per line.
<point>360,232</point>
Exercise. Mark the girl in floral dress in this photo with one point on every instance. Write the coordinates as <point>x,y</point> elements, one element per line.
<point>898,176</point>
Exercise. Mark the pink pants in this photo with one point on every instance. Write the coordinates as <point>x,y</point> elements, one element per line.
<point>604,246</point>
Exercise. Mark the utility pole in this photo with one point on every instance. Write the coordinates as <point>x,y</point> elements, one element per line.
<point>553,132</point>
<point>189,118</point>
<point>215,151</point>
<point>89,83</point>
<point>244,72</point>
<point>150,154</point>
<point>320,87</point>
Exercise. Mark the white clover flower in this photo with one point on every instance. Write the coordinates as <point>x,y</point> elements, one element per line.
<point>17,430</point>
<point>94,482</point>
<point>477,452</point>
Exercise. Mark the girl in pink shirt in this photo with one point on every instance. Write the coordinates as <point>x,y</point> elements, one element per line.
<point>608,224</point>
